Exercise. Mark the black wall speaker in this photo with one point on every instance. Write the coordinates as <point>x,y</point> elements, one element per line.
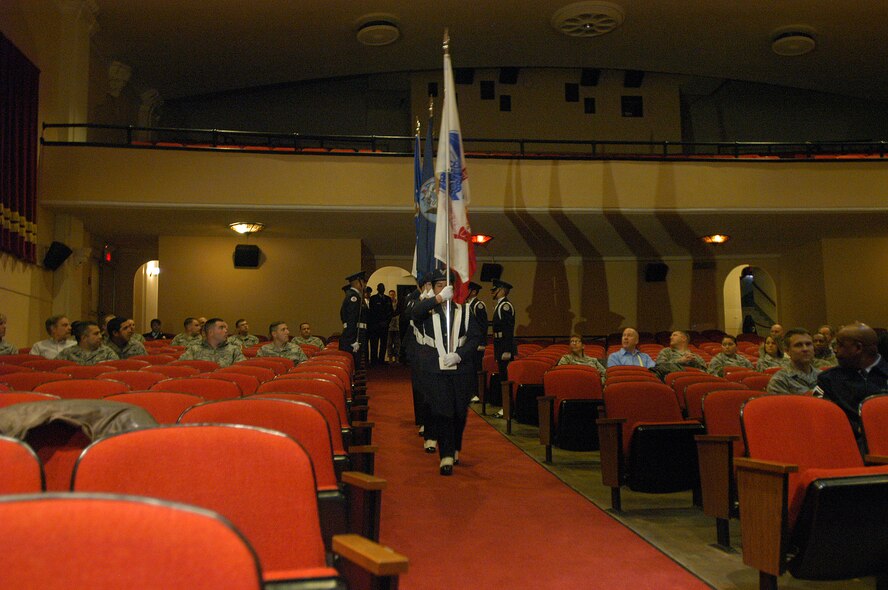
<point>246,256</point>
<point>508,76</point>
<point>464,75</point>
<point>56,255</point>
<point>655,272</point>
<point>589,76</point>
<point>490,271</point>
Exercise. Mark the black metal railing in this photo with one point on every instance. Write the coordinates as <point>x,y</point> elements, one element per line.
<point>398,145</point>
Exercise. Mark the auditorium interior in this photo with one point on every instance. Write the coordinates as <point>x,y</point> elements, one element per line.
<point>604,141</point>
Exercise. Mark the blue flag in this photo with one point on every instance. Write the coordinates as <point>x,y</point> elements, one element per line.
<point>426,204</point>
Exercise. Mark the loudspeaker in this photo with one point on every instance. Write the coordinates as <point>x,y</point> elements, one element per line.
<point>490,271</point>
<point>633,79</point>
<point>56,255</point>
<point>488,90</point>
<point>463,75</point>
<point>508,76</point>
<point>589,76</point>
<point>571,92</point>
<point>246,256</point>
<point>655,272</point>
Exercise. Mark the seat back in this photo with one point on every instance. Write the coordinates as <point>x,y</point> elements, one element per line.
<point>172,371</point>
<point>125,364</point>
<point>619,369</point>
<point>23,397</point>
<point>84,371</point>
<point>206,388</point>
<point>154,359</point>
<point>638,402</point>
<point>246,383</point>
<point>82,388</point>
<point>164,406</point>
<point>720,409</point>
<point>630,377</point>
<point>261,480</point>
<point>298,420</point>
<point>331,369</point>
<point>738,375</point>
<point>571,382</point>
<point>22,471</point>
<point>322,387</point>
<point>670,378</point>
<point>679,384</point>
<point>28,381</point>
<point>874,416</point>
<point>262,374</point>
<point>757,381</point>
<point>7,369</point>
<point>202,366</point>
<point>695,392</point>
<point>269,362</point>
<point>18,359</point>
<point>326,408</point>
<point>528,371</point>
<point>100,541</point>
<point>48,364</point>
<point>137,380</point>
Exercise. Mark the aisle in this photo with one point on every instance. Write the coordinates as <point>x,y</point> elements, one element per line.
<point>501,520</point>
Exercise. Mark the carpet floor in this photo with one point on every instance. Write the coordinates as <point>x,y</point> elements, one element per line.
<point>501,520</point>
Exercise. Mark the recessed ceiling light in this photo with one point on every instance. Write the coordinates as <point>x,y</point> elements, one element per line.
<point>716,239</point>
<point>793,40</point>
<point>377,30</point>
<point>246,227</point>
<point>587,19</point>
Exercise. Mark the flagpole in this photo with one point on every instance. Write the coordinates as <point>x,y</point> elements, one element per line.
<point>448,307</point>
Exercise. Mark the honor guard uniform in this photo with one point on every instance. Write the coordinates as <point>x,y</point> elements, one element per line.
<point>447,379</point>
<point>477,308</point>
<point>504,348</point>
<point>409,345</point>
<point>353,315</point>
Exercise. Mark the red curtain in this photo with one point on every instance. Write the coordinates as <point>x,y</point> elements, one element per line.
<point>19,88</point>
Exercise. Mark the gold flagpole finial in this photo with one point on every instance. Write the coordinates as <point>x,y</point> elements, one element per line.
<point>447,41</point>
<point>431,106</point>
<point>417,125</point>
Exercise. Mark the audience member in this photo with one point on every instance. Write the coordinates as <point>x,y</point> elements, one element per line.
<point>829,333</point>
<point>59,329</point>
<point>861,372</point>
<point>103,325</point>
<point>90,348</point>
<point>121,341</point>
<point>799,375</point>
<point>280,344</point>
<point>824,357</point>
<point>156,332</point>
<point>629,355</point>
<point>578,356</point>
<point>214,346</point>
<point>771,355</point>
<point>677,356</point>
<point>305,336</point>
<point>5,347</point>
<point>728,357</point>
<point>190,336</point>
<point>377,324</point>
<point>242,336</point>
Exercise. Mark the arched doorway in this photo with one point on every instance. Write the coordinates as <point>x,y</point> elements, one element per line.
<point>395,279</point>
<point>749,291</point>
<point>145,283</point>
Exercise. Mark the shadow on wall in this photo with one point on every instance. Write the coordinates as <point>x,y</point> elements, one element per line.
<point>549,311</point>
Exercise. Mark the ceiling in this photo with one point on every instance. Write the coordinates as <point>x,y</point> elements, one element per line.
<point>193,48</point>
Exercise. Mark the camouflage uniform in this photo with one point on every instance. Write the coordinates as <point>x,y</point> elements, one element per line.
<point>184,339</point>
<point>825,358</point>
<point>791,380</point>
<point>766,361</point>
<point>225,355</point>
<point>589,361</point>
<point>7,348</point>
<point>289,350</point>
<point>132,348</point>
<point>81,356</point>
<point>671,356</point>
<point>137,337</point>
<point>721,360</point>
<point>311,341</point>
<point>243,341</point>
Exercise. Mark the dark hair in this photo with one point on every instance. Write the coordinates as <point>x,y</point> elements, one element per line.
<point>115,323</point>
<point>79,329</point>
<point>777,344</point>
<point>273,326</point>
<point>795,332</point>
<point>729,337</point>
<point>239,322</point>
<point>304,324</point>
<point>210,323</point>
<point>188,320</point>
<point>155,321</point>
<point>52,321</point>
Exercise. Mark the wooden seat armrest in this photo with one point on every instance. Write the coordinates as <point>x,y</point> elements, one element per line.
<point>546,411</point>
<point>610,440</point>
<point>765,466</point>
<point>363,481</point>
<point>363,449</point>
<point>360,424</point>
<point>876,460</point>
<point>363,458</point>
<point>366,564</point>
<point>715,456</point>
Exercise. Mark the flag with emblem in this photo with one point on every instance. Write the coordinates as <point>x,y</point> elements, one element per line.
<point>425,203</point>
<point>453,235</point>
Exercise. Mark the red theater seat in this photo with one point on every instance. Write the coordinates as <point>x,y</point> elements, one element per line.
<point>164,406</point>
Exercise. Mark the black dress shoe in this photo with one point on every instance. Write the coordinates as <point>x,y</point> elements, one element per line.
<point>431,450</point>
<point>446,469</point>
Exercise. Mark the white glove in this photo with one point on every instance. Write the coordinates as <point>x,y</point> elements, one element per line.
<point>451,359</point>
<point>446,293</point>
<point>426,294</point>
<point>356,346</point>
<point>506,356</point>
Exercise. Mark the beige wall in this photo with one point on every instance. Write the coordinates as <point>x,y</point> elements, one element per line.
<point>802,288</point>
<point>855,271</point>
<point>297,280</point>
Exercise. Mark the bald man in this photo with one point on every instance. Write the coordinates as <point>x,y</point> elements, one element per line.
<point>629,355</point>
<point>862,372</point>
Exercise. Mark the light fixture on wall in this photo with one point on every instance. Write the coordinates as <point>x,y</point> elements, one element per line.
<point>152,269</point>
<point>716,239</point>
<point>246,227</point>
<point>481,239</point>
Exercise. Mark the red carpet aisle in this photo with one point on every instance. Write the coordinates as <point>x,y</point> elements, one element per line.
<point>501,520</point>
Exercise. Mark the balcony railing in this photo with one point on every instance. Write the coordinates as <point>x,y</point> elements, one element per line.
<point>92,134</point>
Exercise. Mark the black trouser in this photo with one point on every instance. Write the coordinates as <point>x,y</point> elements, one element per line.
<point>377,346</point>
<point>447,397</point>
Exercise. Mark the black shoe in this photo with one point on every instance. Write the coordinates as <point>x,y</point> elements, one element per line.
<point>431,450</point>
<point>446,469</point>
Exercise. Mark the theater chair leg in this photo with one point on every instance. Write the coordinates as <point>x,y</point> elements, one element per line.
<point>616,500</point>
<point>723,534</point>
<point>767,581</point>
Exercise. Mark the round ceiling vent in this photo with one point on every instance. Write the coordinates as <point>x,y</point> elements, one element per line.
<point>793,40</point>
<point>588,19</point>
<point>377,30</point>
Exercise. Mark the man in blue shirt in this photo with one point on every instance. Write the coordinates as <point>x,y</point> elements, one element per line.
<point>629,355</point>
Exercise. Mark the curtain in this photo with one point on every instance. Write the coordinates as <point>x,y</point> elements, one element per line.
<point>19,87</point>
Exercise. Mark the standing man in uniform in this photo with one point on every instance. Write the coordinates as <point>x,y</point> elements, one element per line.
<point>504,348</point>
<point>377,324</point>
<point>353,315</point>
<point>447,380</point>
<point>477,308</point>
